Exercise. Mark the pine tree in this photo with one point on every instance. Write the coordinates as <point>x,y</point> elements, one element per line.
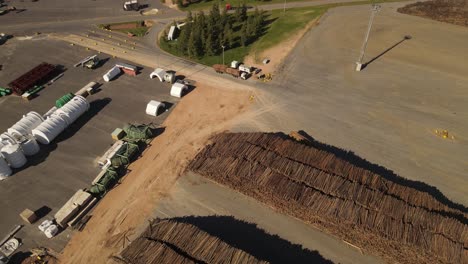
<point>182,41</point>
<point>237,14</point>
<point>189,16</point>
<point>243,13</point>
<point>224,18</point>
<point>243,35</point>
<point>191,48</point>
<point>209,46</point>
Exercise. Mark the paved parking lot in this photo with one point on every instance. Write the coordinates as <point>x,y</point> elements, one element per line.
<point>51,177</point>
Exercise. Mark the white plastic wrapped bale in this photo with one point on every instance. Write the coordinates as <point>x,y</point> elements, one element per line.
<point>158,73</point>
<point>5,170</point>
<point>26,124</point>
<point>50,128</point>
<point>29,146</point>
<point>50,112</point>
<point>74,108</point>
<point>6,139</point>
<point>51,231</point>
<point>14,155</point>
<point>178,89</point>
<point>154,108</point>
<point>111,74</point>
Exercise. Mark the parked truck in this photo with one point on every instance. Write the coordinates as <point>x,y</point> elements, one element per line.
<point>131,5</point>
<point>219,68</point>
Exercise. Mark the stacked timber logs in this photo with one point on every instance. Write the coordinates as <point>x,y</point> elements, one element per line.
<point>382,215</point>
<point>172,241</point>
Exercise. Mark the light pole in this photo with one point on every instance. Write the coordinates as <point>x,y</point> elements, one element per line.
<point>222,46</point>
<point>375,9</point>
<point>284,7</point>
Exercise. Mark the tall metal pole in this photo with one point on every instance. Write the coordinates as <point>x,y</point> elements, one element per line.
<point>284,7</point>
<point>375,9</point>
<point>223,53</point>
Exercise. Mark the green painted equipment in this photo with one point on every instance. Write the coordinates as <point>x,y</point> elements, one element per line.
<point>32,92</point>
<point>105,183</point>
<point>64,99</point>
<point>126,154</point>
<point>4,91</point>
<point>138,132</point>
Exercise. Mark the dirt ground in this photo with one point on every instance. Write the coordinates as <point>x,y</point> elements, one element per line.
<point>277,53</point>
<point>201,113</point>
<point>389,112</point>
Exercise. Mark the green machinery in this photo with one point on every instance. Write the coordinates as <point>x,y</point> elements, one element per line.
<point>64,99</point>
<point>138,132</point>
<point>4,91</point>
<point>32,92</point>
<point>110,178</point>
<point>137,136</point>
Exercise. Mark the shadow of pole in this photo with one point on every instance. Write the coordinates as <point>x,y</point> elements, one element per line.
<point>407,37</point>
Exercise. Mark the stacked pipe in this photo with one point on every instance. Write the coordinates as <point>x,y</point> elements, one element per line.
<point>60,119</point>
<point>21,139</point>
<point>17,143</point>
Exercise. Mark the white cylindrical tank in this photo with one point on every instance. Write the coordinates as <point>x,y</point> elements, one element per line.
<point>14,155</point>
<point>30,146</point>
<point>111,74</point>
<point>26,124</point>
<point>5,170</point>
<point>50,129</point>
<point>50,112</point>
<point>74,108</point>
<point>6,138</point>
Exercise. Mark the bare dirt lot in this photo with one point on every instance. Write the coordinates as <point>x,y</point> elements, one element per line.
<point>201,113</point>
<point>388,113</point>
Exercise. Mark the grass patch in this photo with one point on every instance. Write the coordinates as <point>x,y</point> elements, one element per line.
<point>139,31</point>
<point>252,3</point>
<point>282,26</point>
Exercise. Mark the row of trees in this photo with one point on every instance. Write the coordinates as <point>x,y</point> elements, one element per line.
<point>205,35</point>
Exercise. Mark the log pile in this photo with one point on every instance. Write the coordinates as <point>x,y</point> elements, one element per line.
<point>399,222</point>
<point>172,241</point>
<point>449,11</point>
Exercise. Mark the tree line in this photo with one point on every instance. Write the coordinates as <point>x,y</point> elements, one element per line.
<point>205,35</point>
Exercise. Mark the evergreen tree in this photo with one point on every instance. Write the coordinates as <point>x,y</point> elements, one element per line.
<point>209,46</point>
<point>243,13</point>
<point>191,49</point>
<point>182,42</point>
<point>224,18</point>
<point>237,14</point>
<point>259,22</point>
<point>243,35</point>
<point>189,16</point>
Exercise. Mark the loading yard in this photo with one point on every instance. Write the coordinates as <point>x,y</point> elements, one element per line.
<point>69,163</point>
